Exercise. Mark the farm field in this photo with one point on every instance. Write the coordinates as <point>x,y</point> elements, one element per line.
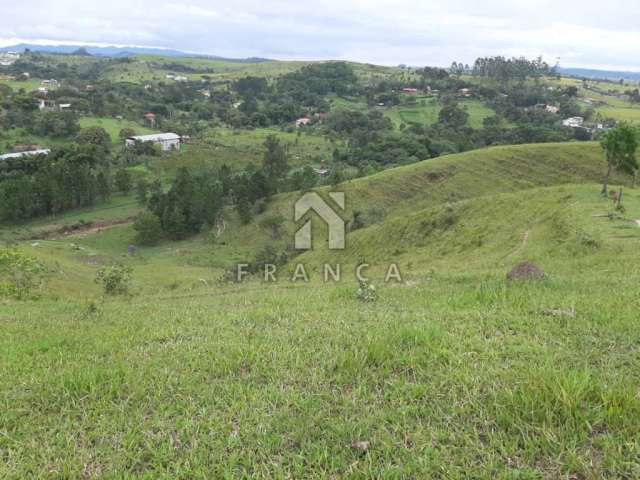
<point>427,114</point>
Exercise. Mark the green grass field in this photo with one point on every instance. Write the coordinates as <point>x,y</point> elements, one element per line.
<point>113,126</point>
<point>27,86</point>
<point>453,373</point>
<point>427,113</point>
<point>239,148</point>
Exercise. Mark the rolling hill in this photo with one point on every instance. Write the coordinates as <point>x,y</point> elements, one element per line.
<point>453,373</point>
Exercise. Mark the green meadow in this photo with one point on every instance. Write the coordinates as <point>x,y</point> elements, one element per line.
<point>454,372</point>
<point>113,126</point>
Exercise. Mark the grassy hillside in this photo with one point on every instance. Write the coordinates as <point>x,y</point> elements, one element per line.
<point>416,191</point>
<point>454,373</point>
<point>452,178</point>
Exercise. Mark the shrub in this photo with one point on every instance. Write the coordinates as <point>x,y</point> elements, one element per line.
<point>366,292</point>
<point>20,274</point>
<point>148,229</point>
<point>269,255</point>
<point>114,279</point>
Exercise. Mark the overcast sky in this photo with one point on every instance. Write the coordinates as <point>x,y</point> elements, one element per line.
<point>584,33</point>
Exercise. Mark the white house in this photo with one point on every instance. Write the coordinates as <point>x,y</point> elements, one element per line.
<point>167,141</point>
<point>303,121</point>
<point>28,153</point>
<point>552,109</point>
<point>573,122</point>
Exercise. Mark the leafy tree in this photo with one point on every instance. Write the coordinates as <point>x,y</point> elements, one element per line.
<point>148,229</point>
<point>276,161</point>
<point>142,191</point>
<point>96,136</point>
<point>620,146</point>
<point>453,116</point>
<point>126,133</point>
<point>123,181</point>
<point>54,124</point>
<point>250,87</point>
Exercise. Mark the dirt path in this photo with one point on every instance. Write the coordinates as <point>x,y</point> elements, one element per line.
<point>61,233</point>
<point>523,245</point>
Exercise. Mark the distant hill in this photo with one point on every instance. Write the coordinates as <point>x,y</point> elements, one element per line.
<point>119,52</point>
<point>600,74</point>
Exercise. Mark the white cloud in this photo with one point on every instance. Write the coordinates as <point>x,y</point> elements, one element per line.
<point>581,33</point>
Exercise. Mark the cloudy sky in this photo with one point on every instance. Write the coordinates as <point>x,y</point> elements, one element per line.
<point>584,33</point>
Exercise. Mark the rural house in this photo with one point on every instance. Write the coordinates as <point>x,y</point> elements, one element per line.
<point>573,122</point>
<point>167,141</point>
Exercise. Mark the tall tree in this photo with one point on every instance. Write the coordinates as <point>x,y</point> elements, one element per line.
<point>276,161</point>
<point>620,146</point>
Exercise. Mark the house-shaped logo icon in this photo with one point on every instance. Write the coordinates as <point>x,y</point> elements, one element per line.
<point>311,201</point>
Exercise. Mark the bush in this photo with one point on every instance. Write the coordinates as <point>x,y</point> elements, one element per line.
<point>366,292</point>
<point>148,229</point>
<point>20,274</point>
<point>114,279</point>
<point>269,255</point>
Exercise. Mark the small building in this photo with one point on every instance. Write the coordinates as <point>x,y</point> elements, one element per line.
<point>552,109</point>
<point>46,104</point>
<point>205,93</point>
<point>321,172</point>
<point>573,122</point>
<point>52,83</point>
<point>28,153</point>
<point>150,118</point>
<point>303,121</point>
<point>410,91</point>
<point>166,141</point>
<point>64,106</point>
<point>465,92</point>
